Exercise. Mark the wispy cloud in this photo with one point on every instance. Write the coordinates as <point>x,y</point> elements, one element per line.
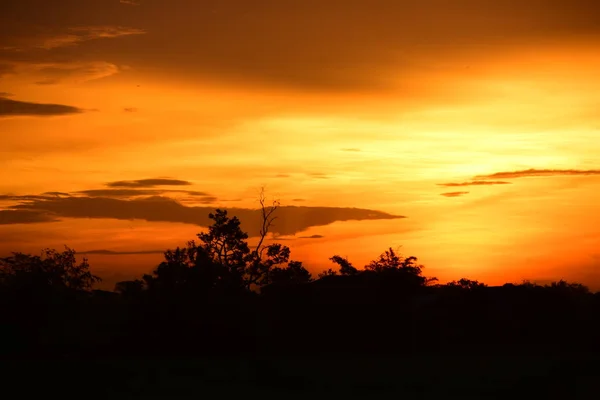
<point>131,2</point>
<point>81,34</point>
<point>149,183</point>
<point>194,196</point>
<point>473,183</point>
<point>454,194</point>
<point>538,172</point>
<point>45,73</point>
<point>130,109</point>
<point>118,253</point>
<point>351,149</point>
<point>312,237</point>
<point>12,108</point>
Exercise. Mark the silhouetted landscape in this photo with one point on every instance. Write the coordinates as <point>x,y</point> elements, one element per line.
<point>437,165</point>
<point>220,316</point>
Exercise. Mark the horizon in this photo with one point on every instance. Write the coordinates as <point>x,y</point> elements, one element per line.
<point>464,133</point>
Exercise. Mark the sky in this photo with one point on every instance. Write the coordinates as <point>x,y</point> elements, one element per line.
<point>463,133</point>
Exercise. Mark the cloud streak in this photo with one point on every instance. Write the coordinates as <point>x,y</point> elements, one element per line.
<point>312,237</point>
<point>454,194</point>
<point>81,34</point>
<point>148,183</point>
<point>291,219</point>
<point>474,183</point>
<point>119,253</point>
<point>12,108</point>
<point>532,172</point>
<point>10,217</point>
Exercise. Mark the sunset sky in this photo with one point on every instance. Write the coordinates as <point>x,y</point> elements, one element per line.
<point>464,131</point>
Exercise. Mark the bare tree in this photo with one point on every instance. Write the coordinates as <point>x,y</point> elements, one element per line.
<point>267,221</point>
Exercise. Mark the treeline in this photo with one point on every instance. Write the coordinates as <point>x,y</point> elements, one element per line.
<point>218,296</point>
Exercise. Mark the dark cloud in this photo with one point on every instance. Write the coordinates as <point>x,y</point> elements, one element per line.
<point>5,94</point>
<point>10,108</point>
<point>312,237</point>
<point>10,217</point>
<point>308,44</point>
<point>56,194</point>
<point>148,183</point>
<point>538,172</point>
<point>130,109</point>
<point>299,200</point>
<point>119,253</point>
<point>291,219</point>
<point>131,2</point>
<point>352,149</point>
<point>47,82</point>
<point>454,194</point>
<point>119,192</point>
<point>282,176</point>
<point>473,183</point>
<point>25,197</point>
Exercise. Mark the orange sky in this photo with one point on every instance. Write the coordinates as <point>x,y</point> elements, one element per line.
<point>393,106</point>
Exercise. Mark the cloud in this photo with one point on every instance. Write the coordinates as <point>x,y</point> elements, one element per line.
<point>291,219</point>
<point>50,54</point>
<point>473,183</point>
<point>130,109</point>
<point>351,149</point>
<point>131,2</point>
<point>454,194</point>
<point>119,192</point>
<point>357,46</point>
<point>74,72</point>
<point>539,172</point>
<point>10,217</point>
<point>312,237</point>
<point>5,94</point>
<point>118,253</point>
<point>299,200</point>
<point>318,175</point>
<point>148,183</point>
<point>81,34</point>
<point>195,196</point>
<point>11,108</point>
<point>56,194</point>
<point>26,197</point>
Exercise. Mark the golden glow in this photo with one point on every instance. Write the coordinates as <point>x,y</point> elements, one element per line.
<point>534,107</point>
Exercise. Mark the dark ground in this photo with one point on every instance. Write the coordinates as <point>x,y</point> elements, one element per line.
<point>427,377</point>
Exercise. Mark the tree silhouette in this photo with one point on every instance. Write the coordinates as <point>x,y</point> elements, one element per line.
<point>326,273</point>
<point>57,270</point>
<point>293,273</point>
<point>466,284</point>
<point>223,259</point>
<point>346,268</point>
